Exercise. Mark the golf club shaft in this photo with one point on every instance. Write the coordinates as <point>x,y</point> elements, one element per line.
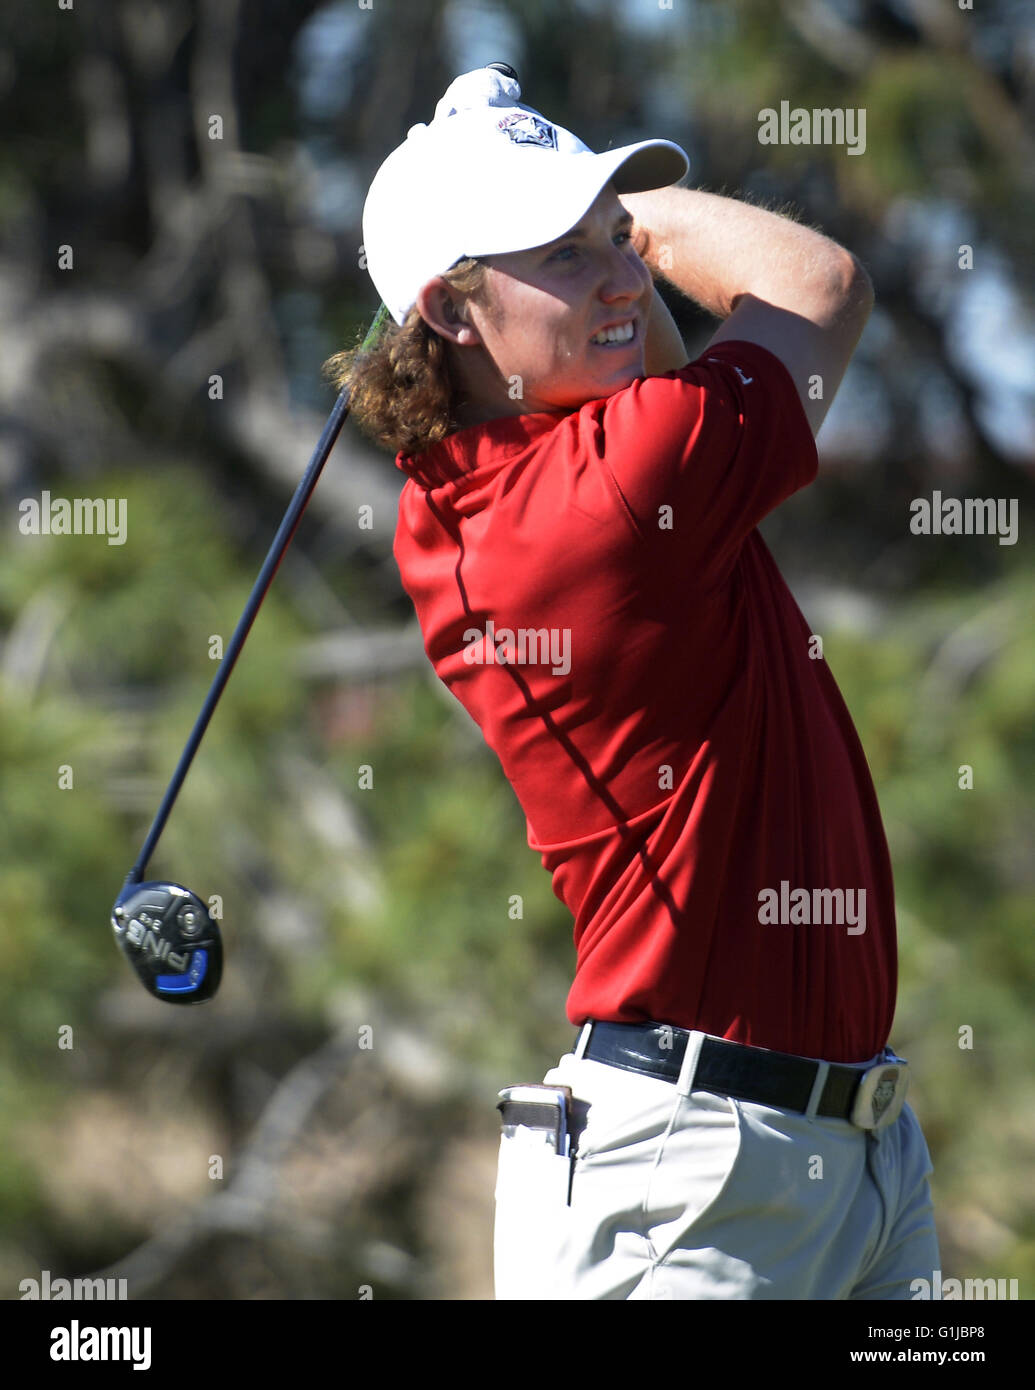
<point>270,566</point>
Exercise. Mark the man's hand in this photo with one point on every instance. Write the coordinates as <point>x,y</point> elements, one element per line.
<point>773,282</point>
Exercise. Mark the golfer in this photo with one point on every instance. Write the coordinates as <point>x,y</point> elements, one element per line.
<point>578,534</point>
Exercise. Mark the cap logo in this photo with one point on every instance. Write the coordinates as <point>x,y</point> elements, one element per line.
<point>526,129</point>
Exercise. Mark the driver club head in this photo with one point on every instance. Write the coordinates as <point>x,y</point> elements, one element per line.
<point>170,939</point>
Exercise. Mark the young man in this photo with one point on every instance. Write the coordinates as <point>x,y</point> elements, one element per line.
<point>582,553</point>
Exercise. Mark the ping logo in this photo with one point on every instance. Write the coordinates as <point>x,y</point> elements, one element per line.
<point>151,941</point>
<point>525,129</point>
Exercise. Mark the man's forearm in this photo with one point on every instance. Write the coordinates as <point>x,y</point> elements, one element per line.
<point>716,249</point>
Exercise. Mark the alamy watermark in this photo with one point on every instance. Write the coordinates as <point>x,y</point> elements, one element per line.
<point>965,516</point>
<point>80,1342</point>
<point>76,1290</point>
<point>820,126</point>
<point>523,646</point>
<point>78,516</point>
<point>952,1289</point>
<point>788,907</point>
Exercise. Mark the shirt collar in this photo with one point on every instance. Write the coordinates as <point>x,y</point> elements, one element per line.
<point>476,446</point>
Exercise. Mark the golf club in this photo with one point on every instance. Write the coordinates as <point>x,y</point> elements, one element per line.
<point>164,930</point>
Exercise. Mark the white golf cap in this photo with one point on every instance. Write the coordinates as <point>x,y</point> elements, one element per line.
<point>487,176</point>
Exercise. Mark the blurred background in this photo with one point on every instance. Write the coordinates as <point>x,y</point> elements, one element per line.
<point>170,285</point>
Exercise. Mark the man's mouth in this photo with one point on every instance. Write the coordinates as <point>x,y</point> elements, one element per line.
<point>618,334</point>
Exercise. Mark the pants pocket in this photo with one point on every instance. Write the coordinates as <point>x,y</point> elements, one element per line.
<point>694,1169</point>
<point>532,1213</point>
<point>529,1172</point>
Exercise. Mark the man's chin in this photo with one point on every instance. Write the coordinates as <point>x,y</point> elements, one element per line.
<point>619,380</point>
<point>600,388</point>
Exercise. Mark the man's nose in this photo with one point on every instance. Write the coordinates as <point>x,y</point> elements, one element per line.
<point>622,279</point>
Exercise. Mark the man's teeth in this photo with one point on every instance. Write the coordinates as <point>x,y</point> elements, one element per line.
<point>614,335</point>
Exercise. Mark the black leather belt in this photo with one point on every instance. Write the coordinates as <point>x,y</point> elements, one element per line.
<point>727,1068</point>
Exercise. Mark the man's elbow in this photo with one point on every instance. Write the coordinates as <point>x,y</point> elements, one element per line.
<point>841,295</point>
<point>851,288</point>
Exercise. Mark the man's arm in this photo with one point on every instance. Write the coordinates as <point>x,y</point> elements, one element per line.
<point>771,281</point>
<point>663,348</point>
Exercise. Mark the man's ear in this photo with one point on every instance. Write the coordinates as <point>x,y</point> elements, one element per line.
<point>444,309</point>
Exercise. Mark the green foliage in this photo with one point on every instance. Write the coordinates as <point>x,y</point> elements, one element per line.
<point>467,927</point>
<point>121,680</point>
<point>948,683</point>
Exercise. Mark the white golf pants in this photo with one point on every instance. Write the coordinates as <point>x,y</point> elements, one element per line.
<point>701,1196</point>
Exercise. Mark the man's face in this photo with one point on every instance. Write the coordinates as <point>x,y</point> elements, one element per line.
<point>543,309</point>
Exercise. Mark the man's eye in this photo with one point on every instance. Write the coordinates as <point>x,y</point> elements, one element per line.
<point>565,252</point>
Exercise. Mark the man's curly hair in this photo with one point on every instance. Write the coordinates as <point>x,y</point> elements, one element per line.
<point>402,393</point>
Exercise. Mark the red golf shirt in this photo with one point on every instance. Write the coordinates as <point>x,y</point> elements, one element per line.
<point>593,589</point>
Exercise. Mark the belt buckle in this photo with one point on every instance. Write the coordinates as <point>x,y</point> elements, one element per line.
<point>881,1094</point>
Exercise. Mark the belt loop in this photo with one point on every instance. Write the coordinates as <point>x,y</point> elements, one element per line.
<point>822,1071</point>
<point>582,1041</point>
<point>687,1072</point>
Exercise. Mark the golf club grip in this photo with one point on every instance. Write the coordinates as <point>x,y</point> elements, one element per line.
<point>270,566</point>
